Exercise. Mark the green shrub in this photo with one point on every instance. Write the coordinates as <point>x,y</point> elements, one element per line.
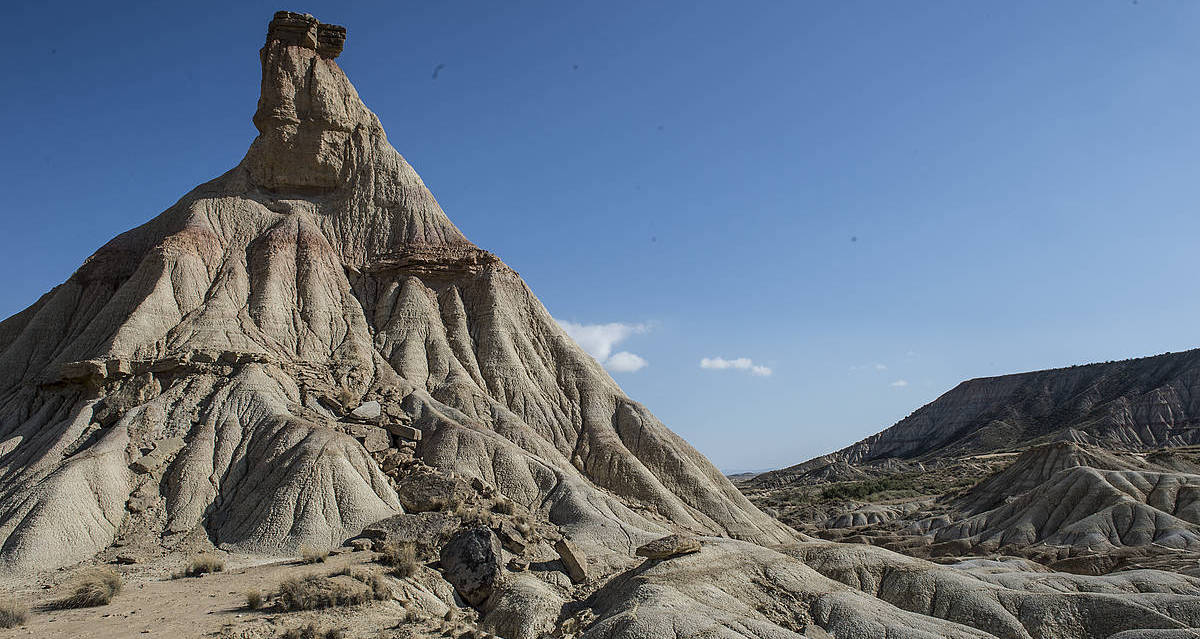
<point>864,489</point>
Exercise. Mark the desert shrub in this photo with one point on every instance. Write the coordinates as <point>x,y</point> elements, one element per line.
<point>864,489</point>
<point>313,631</point>
<point>314,591</point>
<point>95,587</point>
<point>346,396</point>
<point>254,599</point>
<point>525,526</point>
<point>201,565</point>
<point>474,514</point>
<point>504,507</point>
<point>401,558</point>
<point>12,613</point>
<point>310,555</point>
<point>379,587</point>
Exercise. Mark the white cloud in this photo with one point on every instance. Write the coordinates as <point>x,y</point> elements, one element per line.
<point>876,366</point>
<point>900,383</point>
<point>881,367</point>
<point>625,362</point>
<point>740,363</point>
<point>599,339</point>
<point>720,363</point>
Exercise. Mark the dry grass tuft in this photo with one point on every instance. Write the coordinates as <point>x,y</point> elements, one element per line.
<point>312,631</point>
<point>379,587</point>
<point>525,526</point>
<point>346,397</point>
<point>474,514</point>
<point>504,507</point>
<point>201,565</point>
<point>401,558</point>
<point>314,592</point>
<point>310,555</point>
<point>254,599</point>
<point>95,587</point>
<point>12,613</point>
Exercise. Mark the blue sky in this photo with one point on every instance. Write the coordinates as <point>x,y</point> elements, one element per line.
<point>873,200</point>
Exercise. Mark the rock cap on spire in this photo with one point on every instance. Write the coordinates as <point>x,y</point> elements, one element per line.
<point>303,30</point>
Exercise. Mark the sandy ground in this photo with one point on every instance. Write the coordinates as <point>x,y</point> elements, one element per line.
<point>213,605</point>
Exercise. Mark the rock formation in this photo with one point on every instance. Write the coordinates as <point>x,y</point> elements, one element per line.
<point>1143,403</point>
<point>306,350</point>
<point>1069,506</point>
<point>248,318</point>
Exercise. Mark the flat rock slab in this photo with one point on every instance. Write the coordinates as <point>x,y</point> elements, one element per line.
<point>574,560</point>
<point>669,546</point>
<point>157,457</point>
<point>368,410</point>
<point>83,370</point>
<point>428,531</point>
<point>373,438</point>
<point>404,432</point>
<point>511,538</point>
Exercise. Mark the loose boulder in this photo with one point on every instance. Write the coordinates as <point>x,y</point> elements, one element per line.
<point>404,432</point>
<point>669,546</point>
<point>373,438</point>
<point>511,538</point>
<point>368,411</point>
<point>471,563</point>
<point>573,559</point>
<point>426,531</point>
<point>523,607</point>
<point>425,491</point>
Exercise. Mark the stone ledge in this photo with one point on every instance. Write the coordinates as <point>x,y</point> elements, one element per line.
<point>303,30</point>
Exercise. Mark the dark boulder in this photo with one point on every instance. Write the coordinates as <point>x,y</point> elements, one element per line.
<point>471,563</point>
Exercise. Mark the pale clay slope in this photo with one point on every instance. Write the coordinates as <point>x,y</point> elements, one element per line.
<point>356,278</point>
<point>322,267</point>
<point>1068,496</point>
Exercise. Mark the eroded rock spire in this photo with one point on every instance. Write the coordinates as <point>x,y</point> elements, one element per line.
<point>321,149</point>
<point>303,30</point>
<point>307,109</point>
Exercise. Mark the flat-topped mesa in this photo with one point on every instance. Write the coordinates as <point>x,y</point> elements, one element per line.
<point>303,30</point>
